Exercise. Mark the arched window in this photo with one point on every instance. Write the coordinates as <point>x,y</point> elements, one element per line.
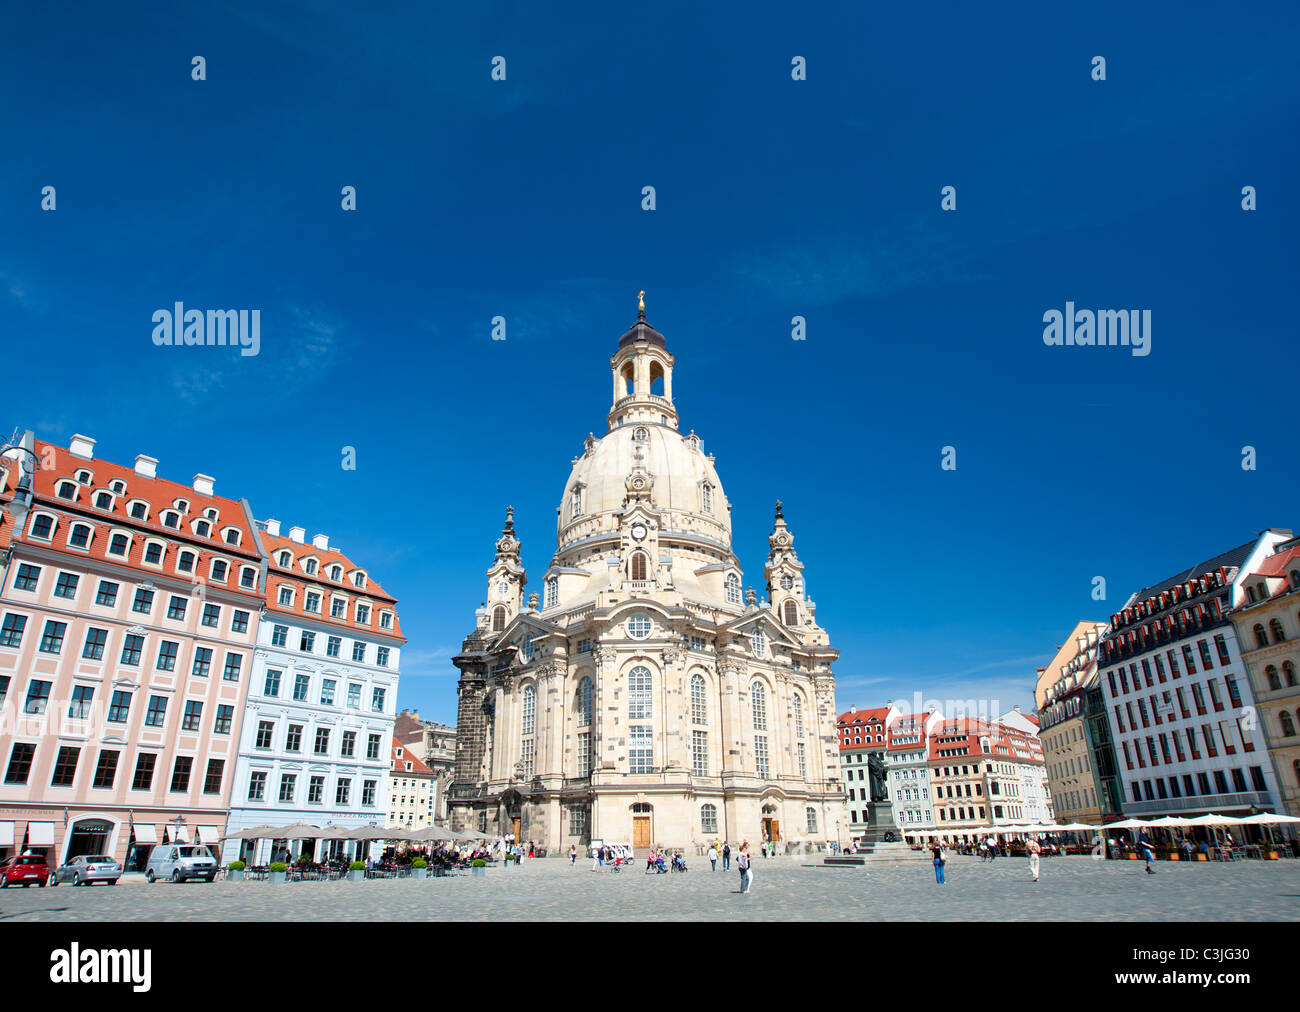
<point>1288,669</point>
<point>708,818</point>
<point>80,536</point>
<point>811,813</point>
<point>759,642</point>
<point>1270,673</point>
<point>796,707</point>
<point>529,750</point>
<point>1288,725</point>
<point>586,693</point>
<point>640,699</point>
<point>758,697</point>
<point>706,498</point>
<point>577,502</point>
<point>699,700</point>
<point>733,589</point>
<point>1261,638</point>
<point>791,612</point>
<point>552,592</point>
<point>498,618</point>
<point>638,568</point>
<point>1276,628</point>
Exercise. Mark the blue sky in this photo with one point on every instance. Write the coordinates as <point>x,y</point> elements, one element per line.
<point>522,198</point>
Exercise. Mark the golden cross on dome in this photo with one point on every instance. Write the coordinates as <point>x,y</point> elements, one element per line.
<point>641,301</point>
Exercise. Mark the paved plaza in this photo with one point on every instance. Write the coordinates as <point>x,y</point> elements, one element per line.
<point>785,889</point>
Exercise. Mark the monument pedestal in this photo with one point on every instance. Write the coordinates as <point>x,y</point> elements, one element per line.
<point>883,840</point>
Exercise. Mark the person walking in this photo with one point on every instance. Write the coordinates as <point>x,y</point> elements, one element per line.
<point>936,852</point>
<point>726,856</point>
<point>573,855</point>
<point>745,864</point>
<point>713,856</point>
<point>1034,851</point>
<point>1148,852</point>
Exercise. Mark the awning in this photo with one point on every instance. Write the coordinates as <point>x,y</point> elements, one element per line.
<point>40,834</point>
<point>6,834</point>
<point>145,833</point>
<point>208,834</point>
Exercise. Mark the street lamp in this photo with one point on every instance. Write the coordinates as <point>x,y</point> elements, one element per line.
<point>177,825</point>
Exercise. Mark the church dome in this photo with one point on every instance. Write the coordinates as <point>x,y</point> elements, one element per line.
<point>683,482</point>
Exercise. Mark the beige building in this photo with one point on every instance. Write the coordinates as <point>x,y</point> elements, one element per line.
<point>435,744</point>
<point>1063,713</point>
<point>1268,631</point>
<point>645,698</point>
<point>412,794</point>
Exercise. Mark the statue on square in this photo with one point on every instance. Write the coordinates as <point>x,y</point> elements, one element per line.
<point>876,771</point>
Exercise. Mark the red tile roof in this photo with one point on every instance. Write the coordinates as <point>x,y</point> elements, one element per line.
<point>294,577</point>
<point>418,768</point>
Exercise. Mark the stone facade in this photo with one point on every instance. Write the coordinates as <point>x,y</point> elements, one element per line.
<point>645,700</point>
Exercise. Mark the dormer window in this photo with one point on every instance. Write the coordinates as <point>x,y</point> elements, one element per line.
<point>80,536</point>
<point>232,535</point>
<point>67,490</point>
<point>286,560</point>
<point>118,487</point>
<point>103,501</point>
<point>42,526</point>
<point>336,573</point>
<point>83,477</point>
<point>171,519</point>
<point>118,544</point>
<point>139,510</point>
<point>310,567</point>
<point>248,578</point>
<point>359,579</point>
<point>219,570</point>
<point>182,505</point>
<point>153,553</point>
<point>202,528</point>
<point>185,562</point>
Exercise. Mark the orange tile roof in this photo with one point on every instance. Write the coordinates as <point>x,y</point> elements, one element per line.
<point>373,594</point>
<point>418,768</point>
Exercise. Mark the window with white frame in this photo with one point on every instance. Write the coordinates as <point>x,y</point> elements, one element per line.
<point>529,744</point>
<point>759,642</point>
<point>640,748</point>
<point>758,699</point>
<point>811,815</point>
<point>699,700</point>
<point>586,693</point>
<point>796,709</point>
<point>708,818</point>
<point>733,588</point>
<point>640,699</point>
<point>803,761</point>
<point>639,626</point>
<point>760,757</point>
<point>700,753</point>
<point>552,592</point>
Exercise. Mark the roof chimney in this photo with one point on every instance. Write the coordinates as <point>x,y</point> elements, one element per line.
<point>203,484</point>
<point>81,446</point>
<point>853,709</point>
<point>297,534</point>
<point>321,541</point>
<point>273,528</point>
<point>146,467</point>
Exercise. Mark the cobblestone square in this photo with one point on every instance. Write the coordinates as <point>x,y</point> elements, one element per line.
<point>785,889</point>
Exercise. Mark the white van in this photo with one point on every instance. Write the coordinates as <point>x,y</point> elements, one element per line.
<point>180,861</point>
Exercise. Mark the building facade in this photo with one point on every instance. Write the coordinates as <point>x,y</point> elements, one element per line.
<point>129,607</point>
<point>413,798</point>
<point>316,744</point>
<point>1068,749</point>
<point>861,733</point>
<point>1178,695</point>
<point>435,744</point>
<point>908,767</point>
<point>1267,621</point>
<point>642,697</point>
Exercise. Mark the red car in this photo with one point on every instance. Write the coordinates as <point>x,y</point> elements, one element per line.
<point>24,870</point>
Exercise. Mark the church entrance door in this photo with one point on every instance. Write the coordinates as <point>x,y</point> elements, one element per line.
<point>640,832</point>
<point>772,830</point>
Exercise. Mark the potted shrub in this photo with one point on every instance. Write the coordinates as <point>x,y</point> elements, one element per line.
<point>357,871</point>
<point>235,873</point>
<point>479,866</point>
<point>277,870</point>
<point>419,868</point>
<point>304,860</point>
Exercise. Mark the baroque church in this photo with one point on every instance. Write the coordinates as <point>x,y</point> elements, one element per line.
<point>644,699</point>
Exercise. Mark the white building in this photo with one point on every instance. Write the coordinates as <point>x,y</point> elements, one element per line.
<point>316,744</point>
<point>1181,709</point>
<point>909,769</point>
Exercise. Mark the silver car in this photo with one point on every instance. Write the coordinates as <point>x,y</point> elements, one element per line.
<point>87,869</point>
<point>180,861</point>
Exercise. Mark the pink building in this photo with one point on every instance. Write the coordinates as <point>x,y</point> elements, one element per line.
<point>128,612</point>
